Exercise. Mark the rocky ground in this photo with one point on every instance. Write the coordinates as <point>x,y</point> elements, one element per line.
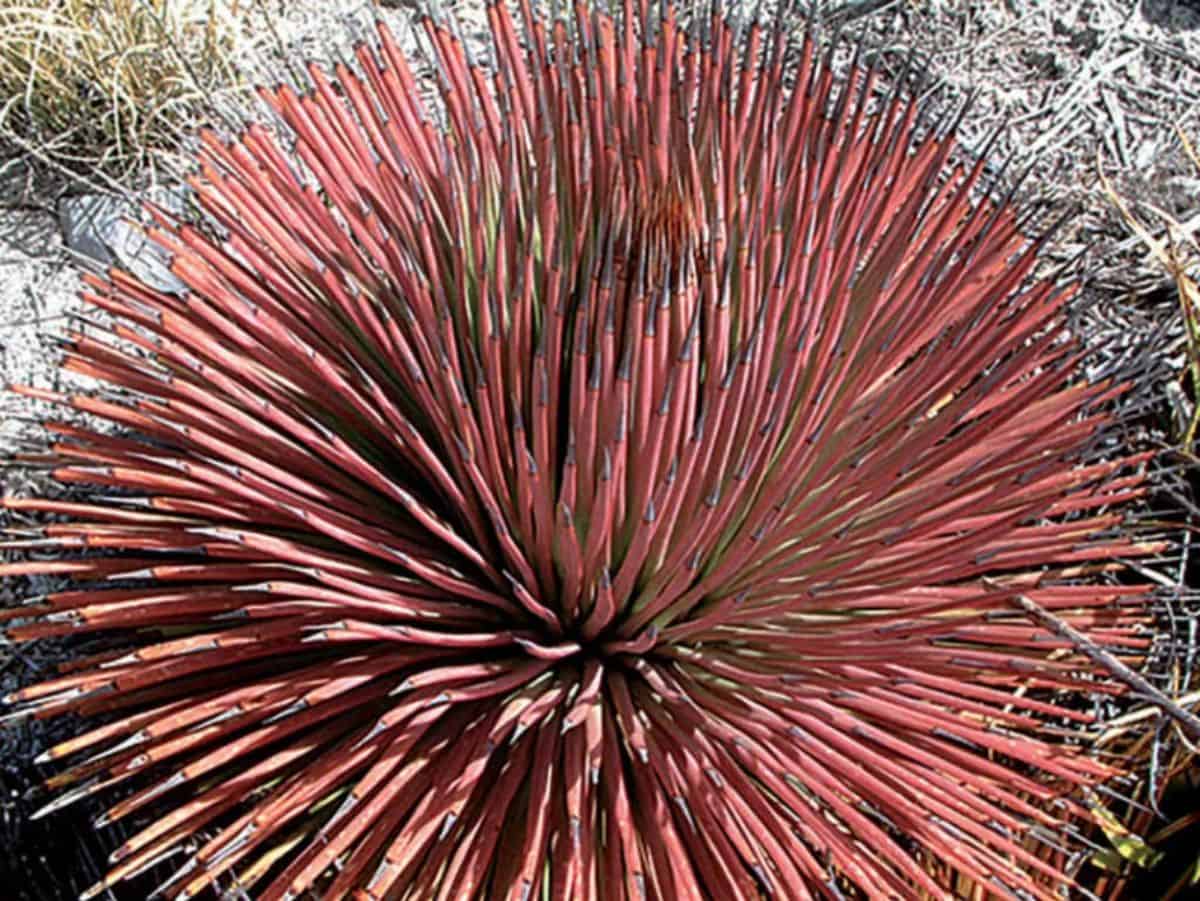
<point>1077,89</point>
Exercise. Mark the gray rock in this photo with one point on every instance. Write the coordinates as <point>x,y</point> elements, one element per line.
<point>103,228</point>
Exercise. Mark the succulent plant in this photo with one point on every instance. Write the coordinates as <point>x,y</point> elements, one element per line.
<point>613,477</point>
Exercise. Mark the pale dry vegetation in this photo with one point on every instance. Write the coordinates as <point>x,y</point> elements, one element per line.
<point>111,85</point>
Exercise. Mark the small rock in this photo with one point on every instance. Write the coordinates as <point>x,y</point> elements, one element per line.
<point>103,228</point>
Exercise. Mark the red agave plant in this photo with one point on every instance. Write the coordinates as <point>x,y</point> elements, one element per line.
<point>617,479</point>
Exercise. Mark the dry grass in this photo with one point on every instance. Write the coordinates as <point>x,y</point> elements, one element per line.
<point>1175,246</point>
<point>1154,838</point>
<point>1153,831</point>
<point>110,85</point>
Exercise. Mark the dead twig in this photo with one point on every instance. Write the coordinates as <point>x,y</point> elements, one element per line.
<point>1189,721</point>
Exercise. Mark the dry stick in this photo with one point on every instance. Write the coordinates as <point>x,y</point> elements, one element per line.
<point>1097,654</point>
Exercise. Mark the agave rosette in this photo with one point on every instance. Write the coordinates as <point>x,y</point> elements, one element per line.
<point>609,479</point>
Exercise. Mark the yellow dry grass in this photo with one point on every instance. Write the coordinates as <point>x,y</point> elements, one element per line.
<point>109,84</point>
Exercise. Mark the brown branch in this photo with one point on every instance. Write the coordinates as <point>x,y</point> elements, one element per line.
<point>1098,655</point>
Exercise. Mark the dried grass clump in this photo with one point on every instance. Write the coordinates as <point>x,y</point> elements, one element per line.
<point>1153,833</point>
<point>1177,251</point>
<point>110,85</point>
